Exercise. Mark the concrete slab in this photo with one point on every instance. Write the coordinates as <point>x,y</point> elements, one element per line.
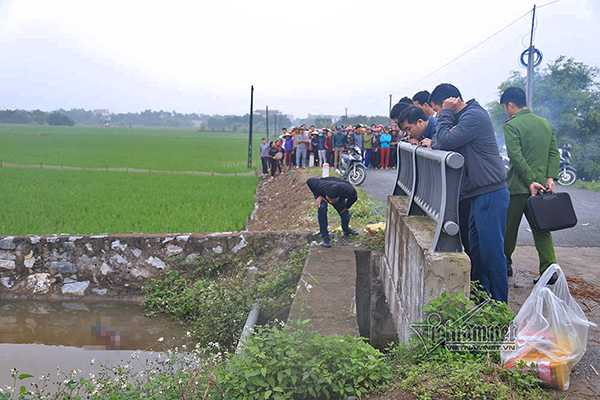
<point>326,292</point>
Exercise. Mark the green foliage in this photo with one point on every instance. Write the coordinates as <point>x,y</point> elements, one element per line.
<point>213,298</point>
<point>58,119</point>
<point>168,375</point>
<point>566,93</point>
<point>428,368</point>
<point>469,379</point>
<point>44,201</point>
<point>292,363</point>
<point>467,321</point>
<point>595,186</point>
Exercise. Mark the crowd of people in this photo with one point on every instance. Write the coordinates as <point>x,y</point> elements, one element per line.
<point>296,147</point>
<point>492,201</point>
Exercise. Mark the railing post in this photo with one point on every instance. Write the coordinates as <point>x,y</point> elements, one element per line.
<point>431,178</point>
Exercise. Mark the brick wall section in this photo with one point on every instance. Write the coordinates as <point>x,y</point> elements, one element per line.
<point>118,266</point>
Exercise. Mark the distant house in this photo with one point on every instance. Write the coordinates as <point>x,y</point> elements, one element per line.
<point>102,115</point>
<point>323,116</point>
<point>264,112</point>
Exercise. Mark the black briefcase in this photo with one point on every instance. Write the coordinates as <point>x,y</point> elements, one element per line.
<point>550,211</point>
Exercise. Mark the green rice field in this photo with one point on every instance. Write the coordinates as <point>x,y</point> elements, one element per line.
<point>100,147</point>
<point>46,201</point>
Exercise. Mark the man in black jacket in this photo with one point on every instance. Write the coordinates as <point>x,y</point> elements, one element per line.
<point>341,195</point>
<point>467,129</point>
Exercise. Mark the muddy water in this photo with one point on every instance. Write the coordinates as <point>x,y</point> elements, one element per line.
<point>36,337</point>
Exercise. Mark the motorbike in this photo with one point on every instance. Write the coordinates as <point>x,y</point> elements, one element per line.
<point>352,167</point>
<point>505,159</point>
<point>567,174</point>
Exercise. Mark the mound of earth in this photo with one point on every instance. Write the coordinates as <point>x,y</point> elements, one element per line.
<point>284,203</point>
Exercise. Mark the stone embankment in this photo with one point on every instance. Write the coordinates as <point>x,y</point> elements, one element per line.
<point>118,266</point>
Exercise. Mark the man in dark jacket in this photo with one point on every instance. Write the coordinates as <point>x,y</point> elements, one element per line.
<point>339,143</point>
<point>341,195</point>
<point>356,138</point>
<point>467,129</point>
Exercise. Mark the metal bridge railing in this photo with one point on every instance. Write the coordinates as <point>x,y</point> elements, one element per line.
<point>431,178</point>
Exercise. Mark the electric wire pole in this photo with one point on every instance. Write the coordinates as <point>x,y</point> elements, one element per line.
<point>250,130</point>
<point>530,64</point>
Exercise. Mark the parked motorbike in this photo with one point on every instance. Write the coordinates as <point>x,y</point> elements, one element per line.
<point>352,167</point>
<point>505,159</point>
<point>567,174</point>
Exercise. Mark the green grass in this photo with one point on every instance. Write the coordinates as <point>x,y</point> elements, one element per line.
<point>36,201</point>
<point>99,147</point>
<point>595,186</point>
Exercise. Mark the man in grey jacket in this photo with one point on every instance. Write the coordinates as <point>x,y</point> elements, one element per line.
<point>264,156</point>
<point>357,137</point>
<point>467,129</point>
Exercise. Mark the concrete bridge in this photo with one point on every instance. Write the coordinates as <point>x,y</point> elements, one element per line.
<point>329,293</point>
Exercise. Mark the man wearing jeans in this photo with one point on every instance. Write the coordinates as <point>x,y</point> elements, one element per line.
<point>302,141</point>
<point>341,195</point>
<point>467,129</point>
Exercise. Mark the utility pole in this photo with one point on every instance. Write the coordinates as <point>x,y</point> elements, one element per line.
<point>390,109</point>
<point>250,131</point>
<point>530,63</point>
<point>267,114</point>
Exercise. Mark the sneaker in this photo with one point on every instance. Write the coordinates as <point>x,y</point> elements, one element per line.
<point>552,280</point>
<point>509,270</point>
<point>326,243</point>
<point>350,232</point>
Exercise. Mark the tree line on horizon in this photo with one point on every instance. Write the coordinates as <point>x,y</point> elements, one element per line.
<point>166,119</point>
<point>566,92</point>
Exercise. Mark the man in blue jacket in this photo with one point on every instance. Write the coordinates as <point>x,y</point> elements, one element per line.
<point>467,129</point>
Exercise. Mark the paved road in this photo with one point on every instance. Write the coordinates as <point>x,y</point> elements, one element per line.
<point>380,184</point>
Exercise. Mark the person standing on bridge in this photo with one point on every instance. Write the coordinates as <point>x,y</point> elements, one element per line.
<point>465,127</point>
<point>534,159</point>
<point>341,195</point>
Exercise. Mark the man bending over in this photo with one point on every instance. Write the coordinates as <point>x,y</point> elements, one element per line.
<point>341,195</point>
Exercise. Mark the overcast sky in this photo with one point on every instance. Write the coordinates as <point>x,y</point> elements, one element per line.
<point>317,57</point>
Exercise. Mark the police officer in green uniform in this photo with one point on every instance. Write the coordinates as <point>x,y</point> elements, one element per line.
<point>534,159</point>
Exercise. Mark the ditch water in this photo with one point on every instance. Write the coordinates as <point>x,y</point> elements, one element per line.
<point>36,337</point>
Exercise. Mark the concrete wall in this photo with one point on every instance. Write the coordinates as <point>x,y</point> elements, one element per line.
<point>410,275</point>
<point>118,266</point>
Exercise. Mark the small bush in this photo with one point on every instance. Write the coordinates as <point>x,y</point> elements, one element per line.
<point>212,298</point>
<point>293,363</point>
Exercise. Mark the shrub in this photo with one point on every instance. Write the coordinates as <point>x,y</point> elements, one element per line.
<point>293,363</point>
<point>58,119</point>
<point>212,298</point>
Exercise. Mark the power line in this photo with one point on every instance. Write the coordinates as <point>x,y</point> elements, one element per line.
<point>469,50</point>
<point>472,48</point>
<point>482,42</point>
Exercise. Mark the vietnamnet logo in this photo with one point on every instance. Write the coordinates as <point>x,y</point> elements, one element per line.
<point>463,334</point>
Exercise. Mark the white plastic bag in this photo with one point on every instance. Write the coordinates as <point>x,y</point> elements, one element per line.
<point>550,331</point>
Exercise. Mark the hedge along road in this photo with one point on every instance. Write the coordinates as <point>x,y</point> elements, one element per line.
<point>380,184</point>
